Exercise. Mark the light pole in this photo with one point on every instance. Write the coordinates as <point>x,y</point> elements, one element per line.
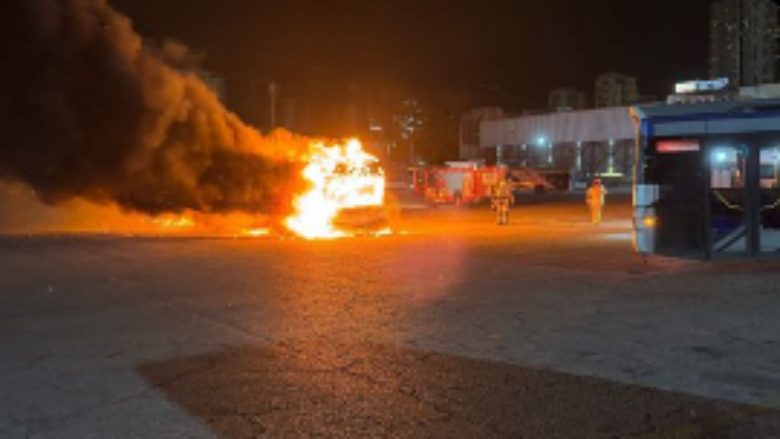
<point>273,89</point>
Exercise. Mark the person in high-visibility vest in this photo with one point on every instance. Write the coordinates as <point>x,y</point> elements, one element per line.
<point>596,198</point>
<point>502,202</point>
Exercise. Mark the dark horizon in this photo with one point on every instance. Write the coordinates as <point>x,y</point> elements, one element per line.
<point>497,50</point>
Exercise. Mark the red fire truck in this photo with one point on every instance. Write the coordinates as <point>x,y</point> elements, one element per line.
<point>457,183</point>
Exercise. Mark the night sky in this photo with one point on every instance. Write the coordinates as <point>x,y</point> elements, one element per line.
<point>518,49</point>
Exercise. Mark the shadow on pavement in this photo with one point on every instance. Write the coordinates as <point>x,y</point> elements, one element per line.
<point>359,390</point>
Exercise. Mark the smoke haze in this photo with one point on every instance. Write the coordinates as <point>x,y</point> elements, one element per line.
<point>89,111</point>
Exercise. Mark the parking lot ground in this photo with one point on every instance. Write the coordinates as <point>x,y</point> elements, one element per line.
<point>451,327</point>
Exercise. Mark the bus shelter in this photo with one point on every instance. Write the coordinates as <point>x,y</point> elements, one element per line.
<point>707,179</point>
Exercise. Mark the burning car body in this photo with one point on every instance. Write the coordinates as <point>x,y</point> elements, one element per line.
<point>346,194</point>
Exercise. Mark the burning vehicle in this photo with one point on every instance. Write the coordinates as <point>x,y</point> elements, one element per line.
<point>346,194</point>
<point>368,218</point>
<point>178,157</point>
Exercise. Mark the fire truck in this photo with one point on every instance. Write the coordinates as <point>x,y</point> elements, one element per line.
<point>458,183</point>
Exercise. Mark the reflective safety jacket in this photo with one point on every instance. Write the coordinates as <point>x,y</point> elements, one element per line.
<point>597,195</point>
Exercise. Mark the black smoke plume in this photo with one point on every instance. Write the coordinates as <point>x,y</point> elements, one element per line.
<point>88,110</point>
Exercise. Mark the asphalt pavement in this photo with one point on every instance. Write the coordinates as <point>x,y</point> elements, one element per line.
<point>451,327</point>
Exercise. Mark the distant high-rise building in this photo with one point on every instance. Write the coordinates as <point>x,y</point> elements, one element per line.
<point>616,90</point>
<point>567,99</point>
<point>743,41</point>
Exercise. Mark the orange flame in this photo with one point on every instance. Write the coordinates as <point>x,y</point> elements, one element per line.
<point>173,222</point>
<point>344,196</point>
<point>341,177</point>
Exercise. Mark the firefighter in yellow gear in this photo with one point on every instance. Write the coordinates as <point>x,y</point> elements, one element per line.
<point>502,201</point>
<point>596,198</point>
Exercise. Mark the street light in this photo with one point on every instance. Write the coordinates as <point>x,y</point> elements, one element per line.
<point>273,89</point>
